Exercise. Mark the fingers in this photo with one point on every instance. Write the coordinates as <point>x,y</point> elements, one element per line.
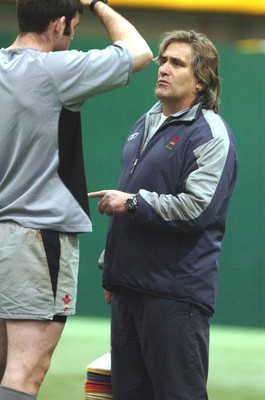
<point>93,195</point>
<point>104,207</point>
<point>85,3</point>
<point>101,207</point>
<point>110,201</point>
<point>103,204</point>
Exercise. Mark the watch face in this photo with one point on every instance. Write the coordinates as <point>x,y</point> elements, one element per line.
<point>131,203</point>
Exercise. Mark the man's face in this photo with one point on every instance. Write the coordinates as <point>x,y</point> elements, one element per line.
<point>64,41</point>
<point>176,86</point>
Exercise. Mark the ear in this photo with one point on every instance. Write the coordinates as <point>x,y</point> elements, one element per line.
<point>59,26</point>
<point>198,86</point>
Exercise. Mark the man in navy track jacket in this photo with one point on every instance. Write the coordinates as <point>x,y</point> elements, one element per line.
<point>160,273</point>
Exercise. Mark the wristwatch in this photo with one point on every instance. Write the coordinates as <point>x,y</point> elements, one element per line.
<point>92,4</point>
<point>131,203</point>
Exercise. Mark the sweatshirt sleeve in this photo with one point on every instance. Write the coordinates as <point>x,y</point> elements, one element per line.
<point>79,75</point>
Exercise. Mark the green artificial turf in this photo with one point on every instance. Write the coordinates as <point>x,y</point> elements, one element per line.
<point>237,361</point>
<point>237,364</point>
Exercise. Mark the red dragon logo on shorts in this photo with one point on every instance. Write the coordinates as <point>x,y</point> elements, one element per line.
<point>66,300</point>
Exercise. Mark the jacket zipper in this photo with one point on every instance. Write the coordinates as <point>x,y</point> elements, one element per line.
<point>140,145</point>
<point>134,166</point>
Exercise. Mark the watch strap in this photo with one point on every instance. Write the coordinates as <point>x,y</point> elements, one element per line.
<point>92,4</point>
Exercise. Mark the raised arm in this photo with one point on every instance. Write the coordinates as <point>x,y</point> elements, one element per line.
<point>119,28</point>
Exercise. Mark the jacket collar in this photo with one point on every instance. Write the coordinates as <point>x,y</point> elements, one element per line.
<point>189,114</point>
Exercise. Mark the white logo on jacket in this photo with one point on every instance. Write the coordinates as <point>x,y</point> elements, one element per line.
<point>133,136</point>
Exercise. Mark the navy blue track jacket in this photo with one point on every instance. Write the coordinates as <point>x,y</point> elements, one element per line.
<point>184,178</point>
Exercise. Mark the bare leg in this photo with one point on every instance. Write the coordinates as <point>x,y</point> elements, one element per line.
<point>30,348</point>
<point>3,347</point>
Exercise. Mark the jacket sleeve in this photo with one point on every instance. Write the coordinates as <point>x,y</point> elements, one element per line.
<point>205,195</point>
